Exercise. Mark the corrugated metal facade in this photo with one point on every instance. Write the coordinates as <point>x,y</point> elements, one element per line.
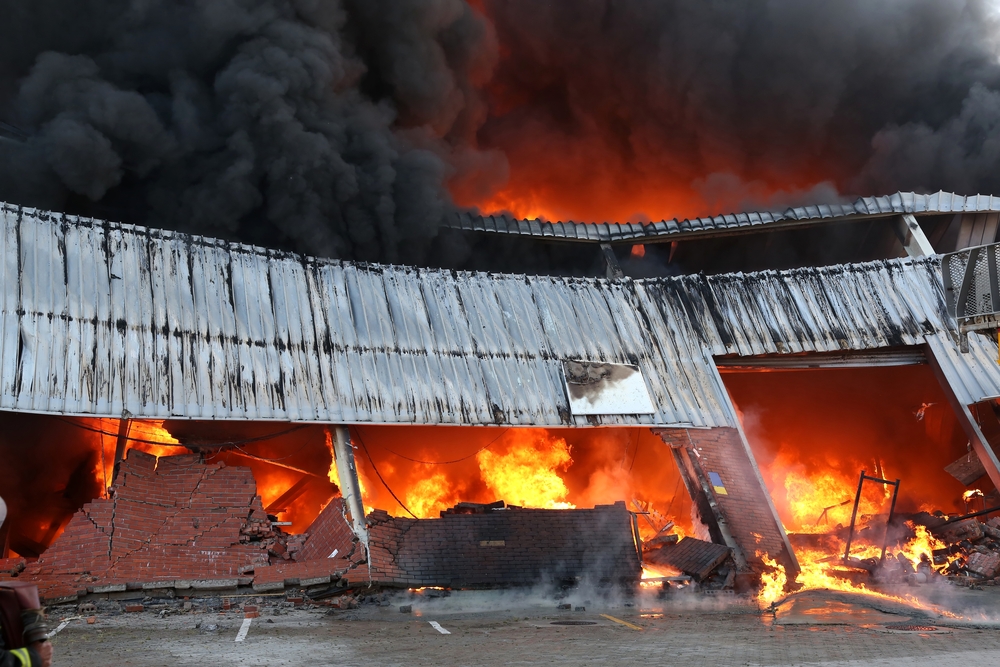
<point>668,230</point>
<point>100,318</point>
<point>867,306</point>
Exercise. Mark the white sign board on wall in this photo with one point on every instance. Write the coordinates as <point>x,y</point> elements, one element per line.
<point>598,388</point>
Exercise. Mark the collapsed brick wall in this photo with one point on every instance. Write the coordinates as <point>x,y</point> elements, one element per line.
<point>330,551</point>
<point>504,547</point>
<point>175,522</point>
<point>745,504</point>
<point>168,519</point>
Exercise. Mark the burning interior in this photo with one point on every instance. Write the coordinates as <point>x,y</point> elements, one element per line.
<point>268,420</point>
<point>813,432</point>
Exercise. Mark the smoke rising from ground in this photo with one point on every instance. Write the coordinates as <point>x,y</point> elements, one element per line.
<point>350,128</point>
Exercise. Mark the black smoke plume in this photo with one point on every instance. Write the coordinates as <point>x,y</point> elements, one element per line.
<point>327,126</point>
<point>351,128</point>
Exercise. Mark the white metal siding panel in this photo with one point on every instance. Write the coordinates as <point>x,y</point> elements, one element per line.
<point>98,318</point>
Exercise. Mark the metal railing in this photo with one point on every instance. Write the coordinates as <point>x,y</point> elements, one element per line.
<point>972,289</point>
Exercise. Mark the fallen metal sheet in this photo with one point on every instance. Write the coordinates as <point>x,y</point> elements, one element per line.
<point>691,556</point>
<point>966,469</point>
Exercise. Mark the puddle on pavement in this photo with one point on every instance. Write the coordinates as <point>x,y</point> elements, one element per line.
<point>817,610</point>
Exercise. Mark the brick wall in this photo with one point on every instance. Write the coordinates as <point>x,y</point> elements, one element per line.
<point>167,520</point>
<point>744,505</point>
<point>504,547</point>
<point>178,522</point>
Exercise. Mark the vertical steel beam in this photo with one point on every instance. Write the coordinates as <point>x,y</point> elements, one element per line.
<point>980,443</point>
<point>912,237</point>
<point>124,425</point>
<point>613,269</point>
<point>350,489</point>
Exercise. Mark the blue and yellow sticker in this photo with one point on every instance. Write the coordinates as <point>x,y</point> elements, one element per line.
<point>717,484</point>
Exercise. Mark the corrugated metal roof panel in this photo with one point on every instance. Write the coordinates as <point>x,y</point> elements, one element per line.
<point>823,309</point>
<point>975,375</point>
<point>100,318</point>
<point>901,202</point>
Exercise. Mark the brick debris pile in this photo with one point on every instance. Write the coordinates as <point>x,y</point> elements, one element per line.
<point>973,551</point>
<point>178,523</point>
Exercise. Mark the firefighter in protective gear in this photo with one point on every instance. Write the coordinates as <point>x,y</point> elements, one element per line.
<point>37,651</point>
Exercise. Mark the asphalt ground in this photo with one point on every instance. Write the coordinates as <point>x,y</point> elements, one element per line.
<point>524,628</point>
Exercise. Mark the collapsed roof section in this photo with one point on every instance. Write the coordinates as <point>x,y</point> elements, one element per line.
<point>864,208</point>
<point>105,319</point>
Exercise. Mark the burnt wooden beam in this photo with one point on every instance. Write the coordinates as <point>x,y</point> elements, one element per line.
<point>289,496</point>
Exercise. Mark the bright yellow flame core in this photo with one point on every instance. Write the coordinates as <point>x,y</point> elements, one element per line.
<point>818,568</point>
<point>429,495</point>
<point>527,473</point>
<point>822,501</point>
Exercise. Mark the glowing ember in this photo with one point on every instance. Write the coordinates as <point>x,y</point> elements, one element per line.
<point>638,250</point>
<point>527,473</point>
<point>971,494</point>
<point>650,571</point>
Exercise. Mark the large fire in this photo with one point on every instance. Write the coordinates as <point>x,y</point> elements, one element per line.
<point>432,468</point>
<point>429,469</point>
<point>813,432</point>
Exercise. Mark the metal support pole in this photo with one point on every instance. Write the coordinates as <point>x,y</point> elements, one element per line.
<point>854,516</point>
<point>124,425</point>
<point>697,495</point>
<point>350,489</point>
<point>912,237</point>
<point>612,268</point>
<point>888,522</point>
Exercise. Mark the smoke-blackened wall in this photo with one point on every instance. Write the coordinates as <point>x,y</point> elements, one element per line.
<point>350,128</point>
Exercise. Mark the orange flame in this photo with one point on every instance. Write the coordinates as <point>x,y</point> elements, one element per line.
<point>824,500</point>
<point>527,474</point>
<point>818,569</point>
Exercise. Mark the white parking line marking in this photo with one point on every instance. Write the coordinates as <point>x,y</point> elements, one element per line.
<point>437,626</point>
<point>244,629</point>
<point>59,629</point>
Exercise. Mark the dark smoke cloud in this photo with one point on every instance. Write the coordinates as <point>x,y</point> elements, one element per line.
<point>347,127</point>
<point>331,127</point>
<point>601,103</point>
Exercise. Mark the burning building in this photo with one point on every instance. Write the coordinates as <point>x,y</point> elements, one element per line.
<point>178,404</point>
